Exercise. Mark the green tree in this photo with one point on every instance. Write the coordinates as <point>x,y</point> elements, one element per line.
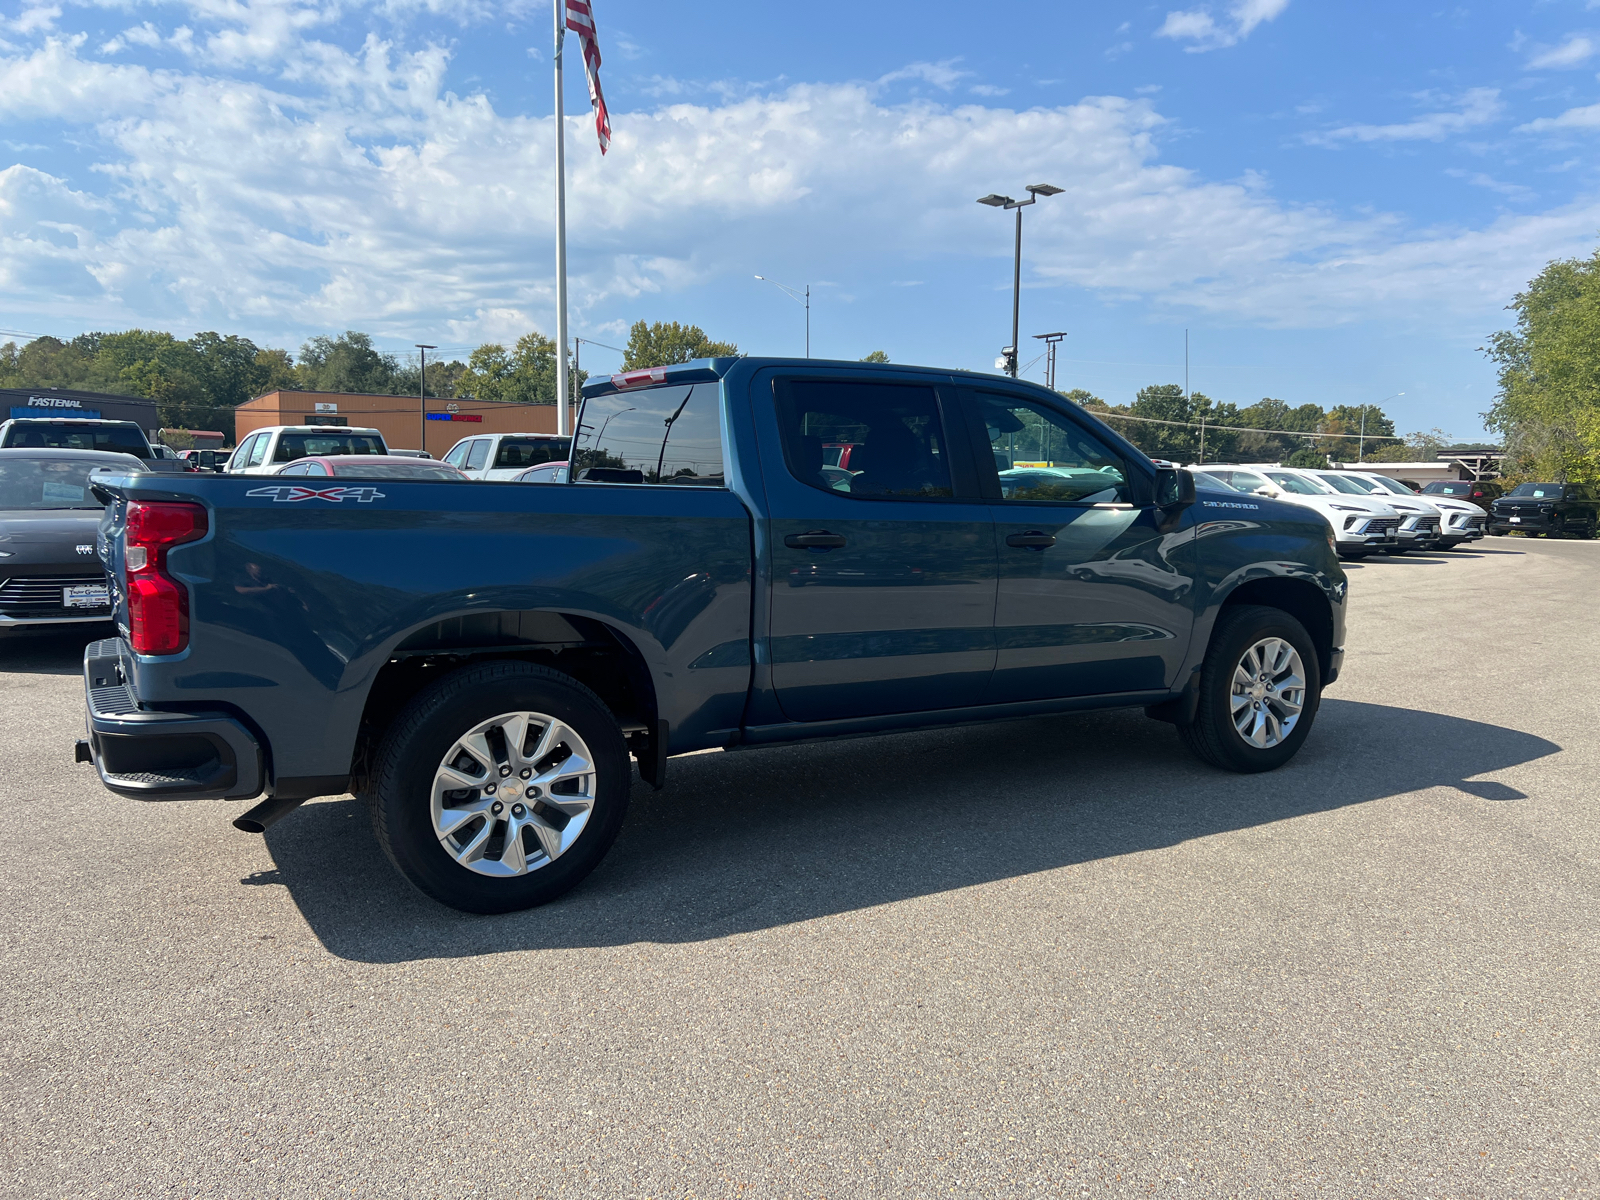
<point>666,343</point>
<point>1548,403</point>
<point>1084,399</point>
<point>526,374</point>
<point>347,363</point>
<point>274,371</point>
<point>877,356</point>
<point>1392,452</point>
<point>1272,417</point>
<point>1307,457</point>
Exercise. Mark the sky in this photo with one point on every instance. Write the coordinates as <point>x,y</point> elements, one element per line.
<point>1332,202</point>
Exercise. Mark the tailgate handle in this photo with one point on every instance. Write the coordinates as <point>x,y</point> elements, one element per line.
<point>814,539</point>
<point>1034,539</point>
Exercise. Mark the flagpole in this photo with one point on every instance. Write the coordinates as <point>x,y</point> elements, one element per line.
<point>562,401</point>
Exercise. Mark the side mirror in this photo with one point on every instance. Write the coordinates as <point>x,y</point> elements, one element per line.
<point>1174,487</point>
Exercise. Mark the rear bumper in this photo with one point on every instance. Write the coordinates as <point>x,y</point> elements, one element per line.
<point>6,622</point>
<point>150,755</point>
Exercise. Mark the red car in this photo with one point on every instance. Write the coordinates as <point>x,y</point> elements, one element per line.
<point>372,466</point>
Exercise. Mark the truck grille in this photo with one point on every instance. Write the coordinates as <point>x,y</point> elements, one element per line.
<point>40,596</point>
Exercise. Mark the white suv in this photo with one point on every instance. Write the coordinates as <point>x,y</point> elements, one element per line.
<point>504,456</point>
<point>265,450</point>
<point>1361,524</point>
<point>1421,522</point>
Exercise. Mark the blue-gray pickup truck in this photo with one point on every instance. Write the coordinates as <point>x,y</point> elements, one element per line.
<point>744,551</point>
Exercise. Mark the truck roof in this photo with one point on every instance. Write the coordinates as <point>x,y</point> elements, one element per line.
<point>707,369</point>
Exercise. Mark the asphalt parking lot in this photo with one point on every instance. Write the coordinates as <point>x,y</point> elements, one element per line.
<point>1049,957</point>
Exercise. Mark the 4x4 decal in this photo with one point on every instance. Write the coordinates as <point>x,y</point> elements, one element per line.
<point>286,493</point>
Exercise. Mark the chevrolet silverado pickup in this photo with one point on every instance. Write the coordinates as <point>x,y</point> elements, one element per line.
<point>480,661</point>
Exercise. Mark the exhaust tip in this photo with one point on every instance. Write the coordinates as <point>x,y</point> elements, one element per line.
<point>267,814</point>
<point>249,825</point>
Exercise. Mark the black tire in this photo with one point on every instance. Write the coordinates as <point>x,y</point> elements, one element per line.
<point>416,744</point>
<point>1211,735</point>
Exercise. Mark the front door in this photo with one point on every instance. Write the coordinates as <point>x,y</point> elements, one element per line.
<point>883,570</point>
<point>1096,588</point>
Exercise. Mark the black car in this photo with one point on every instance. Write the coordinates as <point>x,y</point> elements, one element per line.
<point>1481,492</point>
<point>50,572</point>
<point>1548,509</point>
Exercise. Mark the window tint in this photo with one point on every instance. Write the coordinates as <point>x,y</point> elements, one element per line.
<point>457,453</point>
<point>477,453</point>
<point>890,436</point>
<point>47,483</point>
<point>1539,491</point>
<point>1400,489</point>
<point>258,449</point>
<point>667,434</point>
<point>1239,481</point>
<point>296,469</point>
<point>529,452</point>
<point>1043,455</point>
<point>298,445</point>
<point>1350,487</point>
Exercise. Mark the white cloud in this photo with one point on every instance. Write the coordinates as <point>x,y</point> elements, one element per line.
<point>1478,106</point>
<point>373,197</point>
<point>1197,25</point>
<point>943,75</point>
<point>1573,52</point>
<point>1574,118</point>
<point>1514,191</point>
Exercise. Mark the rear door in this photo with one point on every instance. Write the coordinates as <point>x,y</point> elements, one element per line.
<point>1096,588</point>
<point>883,571</point>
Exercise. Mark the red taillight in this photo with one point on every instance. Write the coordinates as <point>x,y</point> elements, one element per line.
<point>158,605</point>
<point>640,378</point>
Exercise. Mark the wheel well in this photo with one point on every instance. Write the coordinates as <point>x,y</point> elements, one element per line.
<point>590,651</point>
<point>1301,600</point>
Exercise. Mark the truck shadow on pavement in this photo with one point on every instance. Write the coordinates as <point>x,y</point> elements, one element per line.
<point>757,839</point>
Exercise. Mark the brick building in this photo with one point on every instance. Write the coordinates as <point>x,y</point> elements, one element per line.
<point>399,418</point>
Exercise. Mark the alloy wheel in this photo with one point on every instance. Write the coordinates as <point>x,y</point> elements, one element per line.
<point>1268,692</point>
<point>513,794</point>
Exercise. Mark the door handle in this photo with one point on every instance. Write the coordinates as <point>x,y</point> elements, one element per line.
<point>1034,539</point>
<point>816,539</point>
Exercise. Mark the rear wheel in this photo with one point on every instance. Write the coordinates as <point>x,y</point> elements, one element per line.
<point>1260,687</point>
<point>500,787</point>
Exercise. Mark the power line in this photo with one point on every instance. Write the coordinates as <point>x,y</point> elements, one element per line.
<point>1237,428</point>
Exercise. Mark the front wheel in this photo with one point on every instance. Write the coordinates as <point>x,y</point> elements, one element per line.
<point>1260,686</point>
<point>500,787</point>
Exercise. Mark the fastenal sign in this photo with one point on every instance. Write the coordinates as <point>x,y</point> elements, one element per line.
<point>53,402</point>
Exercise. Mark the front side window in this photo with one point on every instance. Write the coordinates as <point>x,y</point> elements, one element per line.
<point>670,434</point>
<point>879,441</point>
<point>1044,456</point>
<point>529,452</point>
<point>477,454</point>
<point>258,450</point>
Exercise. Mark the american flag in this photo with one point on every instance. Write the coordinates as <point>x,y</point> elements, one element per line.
<point>580,19</point>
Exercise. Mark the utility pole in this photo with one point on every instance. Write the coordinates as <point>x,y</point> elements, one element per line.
<point>993,200</point>
<point>562,394</point>
<point>422,397</point>
<point>1050,341</point>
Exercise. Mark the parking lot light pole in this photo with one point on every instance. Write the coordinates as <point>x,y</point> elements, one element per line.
<point>798,297</point>
<point>1035,190</point>
<point>422,397</point>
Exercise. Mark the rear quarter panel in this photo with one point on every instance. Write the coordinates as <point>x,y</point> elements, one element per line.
<point>295,605</point>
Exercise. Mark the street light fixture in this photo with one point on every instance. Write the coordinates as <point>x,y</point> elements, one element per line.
<point>798,297</point>
<point>1035,190</point>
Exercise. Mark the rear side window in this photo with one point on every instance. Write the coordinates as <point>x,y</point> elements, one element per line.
<point>669,434</point>
<point>477,453</point>
<point>895,439</point>
<point>529,452</point>
<point>457,453</point>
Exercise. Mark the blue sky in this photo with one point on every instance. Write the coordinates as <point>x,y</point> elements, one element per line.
<point>1335,200</point>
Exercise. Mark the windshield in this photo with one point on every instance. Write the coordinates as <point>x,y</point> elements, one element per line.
<point>53,435</point>
<point>1540,491</point>
<point>1398,488</point>
<point>1450,487</point>
<point>47,483</point>
<point>1295,484</point>
<point>1349,486</point>
<point>292,446</point>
